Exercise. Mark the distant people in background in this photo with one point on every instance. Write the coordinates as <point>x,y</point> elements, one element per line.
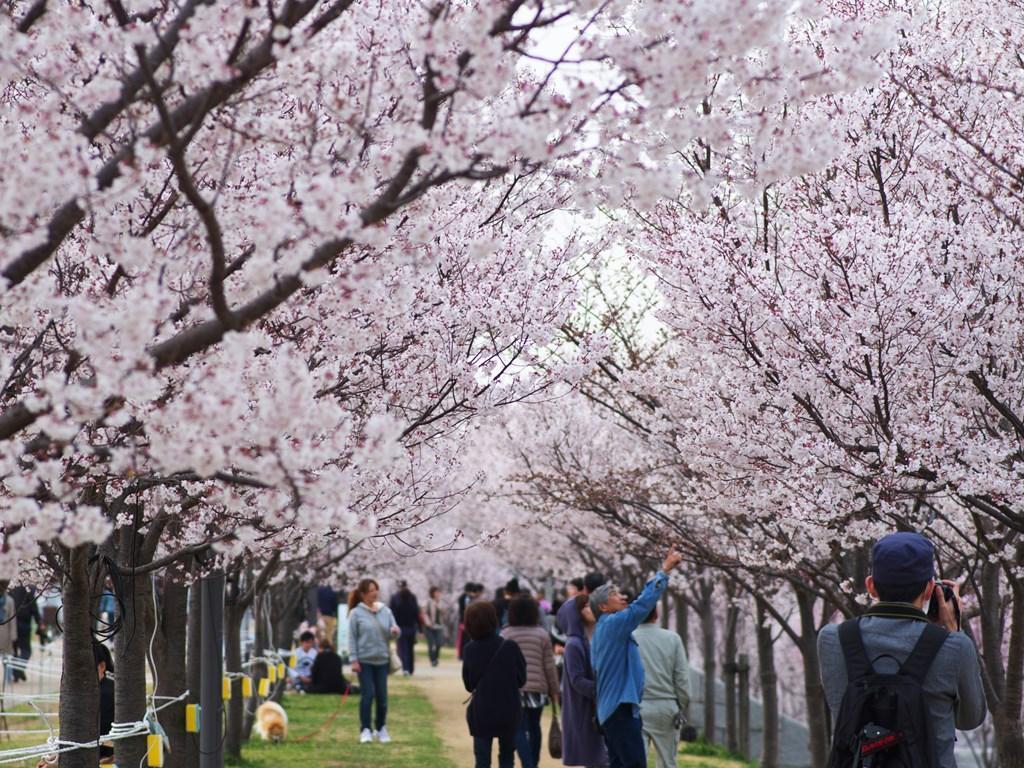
<point>617,665</point>
<point>107,608</point>
<point>493,670</point>
<point>582,743</point>
<point>666,687</point>
<point>327,608</point>
<point>406,610</point>
<point>503,596</point>
<point>305,655</point>
<point>573,588</point>
<point>325,676</point>
<point>104,664</point>
<point>369,625</point>
<point>543,602</point>
<point>27,611</point>
<point>592,581</point>
<point>8,631</point>
<point>541,678</point>
<point>434,625</point>
<point>584,586</point>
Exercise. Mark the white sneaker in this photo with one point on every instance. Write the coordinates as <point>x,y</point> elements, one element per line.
<point>383,736</point>
<point>365,737</point>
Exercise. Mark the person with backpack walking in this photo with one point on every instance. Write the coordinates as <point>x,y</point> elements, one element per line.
<point>901,679</point>
<point>619,669</point>
<point>493,670</point>
<point>369,625</point>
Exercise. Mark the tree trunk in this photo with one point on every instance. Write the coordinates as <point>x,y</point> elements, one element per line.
<point>233,614</point>
<point>729,669</point>
<point>683,621</point>
<point>817,722</point>
<point>664,609</point>
<point>79,684</point>
<point>193,663</point>
<point>169,659</point>
<point>130,648</point>
<point>708,643</point>
<point>769,689</point>
<point>261,641</point>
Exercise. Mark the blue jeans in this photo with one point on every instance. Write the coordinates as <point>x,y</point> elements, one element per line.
<point>624,737</point>
<point>434,636</point>
<point>528,737</point>
<point>373,685</point>
<point>506,751</point>
<point>406,641</point>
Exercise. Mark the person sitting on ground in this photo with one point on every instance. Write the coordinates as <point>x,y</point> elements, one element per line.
<point>666,687</point>
<point>325,675</point>
<point>493,669</point>
<point>617,664</point>
<point>105,663</point>
<point>302,673</point>
<point>896,633</point>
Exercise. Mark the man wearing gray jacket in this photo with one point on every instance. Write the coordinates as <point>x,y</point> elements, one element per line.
<point>903,581</point>
<point>666,687</point>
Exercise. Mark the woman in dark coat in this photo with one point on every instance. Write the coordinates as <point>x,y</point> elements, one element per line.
<point>493,669</point>
<point>582,743</point>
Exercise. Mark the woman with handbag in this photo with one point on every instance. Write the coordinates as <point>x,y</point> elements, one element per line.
<point>370,624</point>
<point>541,677</point>
<point>493,669</point>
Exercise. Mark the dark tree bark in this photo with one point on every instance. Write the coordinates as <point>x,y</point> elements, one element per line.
<point>706,612</point>
<point>193,665</point>
<point>769,688</point>
<point>817,720</point>
<point>169,659</point>
<point>233,614</point>
<point>79,683</point>
<point>729,669</point>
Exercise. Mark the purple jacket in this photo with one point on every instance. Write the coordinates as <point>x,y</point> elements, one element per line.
<point>582,743</point>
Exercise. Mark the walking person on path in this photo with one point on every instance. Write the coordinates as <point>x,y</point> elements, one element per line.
<point>369,625</point>
<point>493,670</point>
<point>620,672</point>
<point>666,687</point>
<point>582,743</point>
<point>27,611</point>
<point>541,677</point>
<point>406,610</point>
<point>434,625</point>
<point>898,637</point>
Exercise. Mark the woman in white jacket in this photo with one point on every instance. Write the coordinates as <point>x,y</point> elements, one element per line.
<point>370,624</point>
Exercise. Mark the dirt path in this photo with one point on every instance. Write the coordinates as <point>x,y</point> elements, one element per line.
<point>443,687</point>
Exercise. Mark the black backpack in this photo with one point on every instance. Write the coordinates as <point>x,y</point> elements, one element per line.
<point>883,720</point>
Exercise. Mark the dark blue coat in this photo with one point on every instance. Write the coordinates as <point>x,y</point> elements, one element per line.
<point>493,670</point>
<point>582,743</point>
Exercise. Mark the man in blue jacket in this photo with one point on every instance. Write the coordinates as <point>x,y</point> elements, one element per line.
<point>620,672</point>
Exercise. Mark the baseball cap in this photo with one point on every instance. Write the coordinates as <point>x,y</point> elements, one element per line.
<point>903,558</point>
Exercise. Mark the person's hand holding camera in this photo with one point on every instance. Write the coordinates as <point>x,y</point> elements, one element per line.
<point>948,610</point>
<point>672,559</point>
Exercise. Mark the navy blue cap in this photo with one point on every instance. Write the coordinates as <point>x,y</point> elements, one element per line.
<point>903,558</point>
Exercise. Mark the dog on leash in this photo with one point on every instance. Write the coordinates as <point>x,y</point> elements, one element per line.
<point>272,722</point>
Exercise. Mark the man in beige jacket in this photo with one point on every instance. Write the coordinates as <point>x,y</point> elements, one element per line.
<point>666,687</point>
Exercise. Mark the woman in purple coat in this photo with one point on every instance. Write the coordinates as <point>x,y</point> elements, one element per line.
<point>582,743</point>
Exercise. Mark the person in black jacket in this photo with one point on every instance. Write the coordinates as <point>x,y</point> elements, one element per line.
<point>326,675</point>
<point>104,664</point>
<point>406,609</point>
<point>493,670</point>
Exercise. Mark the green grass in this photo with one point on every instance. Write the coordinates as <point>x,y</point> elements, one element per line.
<point>702,754</point>
<point>319,735</point>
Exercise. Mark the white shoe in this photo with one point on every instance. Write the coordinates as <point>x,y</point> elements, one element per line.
<point>365,737</point>
<point>383,736</point>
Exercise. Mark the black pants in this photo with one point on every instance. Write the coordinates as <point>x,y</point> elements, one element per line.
<point>23,650</point>
<point>506,751</point>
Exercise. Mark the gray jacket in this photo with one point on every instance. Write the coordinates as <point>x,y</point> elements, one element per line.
<point>368,634</point>
<point>953,686</point>
<point>666,669</point>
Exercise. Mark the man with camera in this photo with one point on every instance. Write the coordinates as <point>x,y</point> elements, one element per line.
<point>901,679</point>
<point>618,667</point>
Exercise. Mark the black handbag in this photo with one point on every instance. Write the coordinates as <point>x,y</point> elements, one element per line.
<point>555,733</point>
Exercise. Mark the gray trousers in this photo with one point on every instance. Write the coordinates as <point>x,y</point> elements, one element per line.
<point>657,715</point>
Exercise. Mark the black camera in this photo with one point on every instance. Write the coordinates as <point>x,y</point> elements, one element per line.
<point>949,596</point>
